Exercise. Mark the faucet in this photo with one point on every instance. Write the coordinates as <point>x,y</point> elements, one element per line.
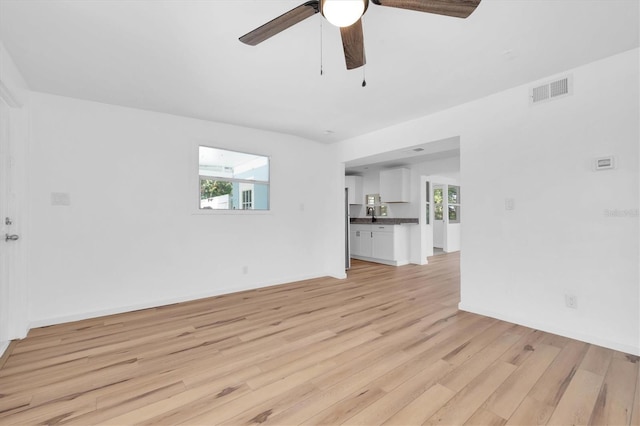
<point>372,212</point>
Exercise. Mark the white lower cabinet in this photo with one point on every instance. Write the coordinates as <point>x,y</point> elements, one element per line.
<point>354,242</point>
<point>366,243</point>
<point>383,244</point>
<point>388,244</point>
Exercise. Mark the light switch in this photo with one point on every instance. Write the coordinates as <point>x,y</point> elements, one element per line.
<point>509,204</point>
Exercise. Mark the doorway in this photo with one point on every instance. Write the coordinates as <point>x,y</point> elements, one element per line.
<point>441,215</point>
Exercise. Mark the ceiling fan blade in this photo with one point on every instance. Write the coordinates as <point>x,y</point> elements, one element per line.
<point>281,23</point>
<point>456,8</point>
<point>353,44</point>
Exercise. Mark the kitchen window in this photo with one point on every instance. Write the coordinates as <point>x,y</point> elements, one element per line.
<point>232,180</point>
<point>374,206</point>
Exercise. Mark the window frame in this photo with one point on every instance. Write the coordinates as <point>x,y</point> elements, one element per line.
<point>456,206</point>
<point>240,210</point>
<point>427,202</point>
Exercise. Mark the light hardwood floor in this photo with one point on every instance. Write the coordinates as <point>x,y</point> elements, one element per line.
<point>386,346</point>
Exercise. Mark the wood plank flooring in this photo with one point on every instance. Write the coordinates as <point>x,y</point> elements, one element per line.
<point>385,346</point>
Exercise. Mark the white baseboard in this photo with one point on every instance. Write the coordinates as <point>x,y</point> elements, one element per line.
<point>383,261</point>
<point>549,328</point>
<point>43,322</point>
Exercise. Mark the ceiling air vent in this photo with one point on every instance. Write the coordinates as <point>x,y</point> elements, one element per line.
<point>552,90</point>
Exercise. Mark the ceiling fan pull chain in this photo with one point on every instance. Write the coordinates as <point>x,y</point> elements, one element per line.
<point>321,73</point>
<point>364,80</point>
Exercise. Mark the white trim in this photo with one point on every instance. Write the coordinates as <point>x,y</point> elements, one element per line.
<point>122,309</point>
<point>212,212</point>
<point>339,276</point>
<point>425,244</point>
<point>7,95</point>
<point>622,347</point>
<point>384,262</point>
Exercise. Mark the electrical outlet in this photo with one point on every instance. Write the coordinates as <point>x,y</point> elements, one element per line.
<point>571,300</point>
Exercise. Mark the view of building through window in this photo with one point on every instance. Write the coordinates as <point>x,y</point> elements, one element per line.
<point>231,180</point>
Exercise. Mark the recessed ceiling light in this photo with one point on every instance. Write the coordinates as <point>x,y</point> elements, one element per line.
<point>418,149</point>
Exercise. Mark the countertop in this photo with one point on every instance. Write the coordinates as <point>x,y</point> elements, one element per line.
<point>385,220</point>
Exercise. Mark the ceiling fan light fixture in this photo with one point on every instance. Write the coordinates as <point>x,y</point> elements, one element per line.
<point>343,13</point>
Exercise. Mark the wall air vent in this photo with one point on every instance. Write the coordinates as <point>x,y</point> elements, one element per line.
<point>552,90</point>
<point>540,93</point>
<point>559,88</point>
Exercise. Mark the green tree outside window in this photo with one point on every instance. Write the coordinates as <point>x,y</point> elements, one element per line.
<point>213,188</point>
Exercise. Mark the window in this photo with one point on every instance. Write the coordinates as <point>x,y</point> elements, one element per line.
<point>231,180</point>
<point>374,205</point>
<point>437,204</point>
<point>247,199</point>
<point>428,198</point>
<point>454,204</point>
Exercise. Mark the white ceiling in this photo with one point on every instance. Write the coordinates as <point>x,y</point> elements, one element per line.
<point>428,151</point>
<point>183,57</point>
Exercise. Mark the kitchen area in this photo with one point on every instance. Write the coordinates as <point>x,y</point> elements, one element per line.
<point>393,205</point>
<point>375,236</point>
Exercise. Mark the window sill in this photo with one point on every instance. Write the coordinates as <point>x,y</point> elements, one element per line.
<point>211,212</point>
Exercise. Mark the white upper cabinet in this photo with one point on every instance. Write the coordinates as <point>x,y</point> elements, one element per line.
<point>394,185</point>
<point>354,184</point>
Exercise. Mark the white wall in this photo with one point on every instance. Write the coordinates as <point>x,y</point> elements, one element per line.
<point>132,235</point>
<point>454,236</point>
<point>518,265</point>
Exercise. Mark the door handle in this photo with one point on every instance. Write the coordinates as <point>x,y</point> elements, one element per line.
<point>8,237</point>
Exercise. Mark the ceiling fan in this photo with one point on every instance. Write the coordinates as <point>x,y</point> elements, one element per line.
<point>346,14</point>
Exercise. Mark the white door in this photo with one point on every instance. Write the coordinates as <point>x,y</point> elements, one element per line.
<point>5,247</point>
<point>452,218</point>
<point>12,294</point>
<point>439,217</point>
